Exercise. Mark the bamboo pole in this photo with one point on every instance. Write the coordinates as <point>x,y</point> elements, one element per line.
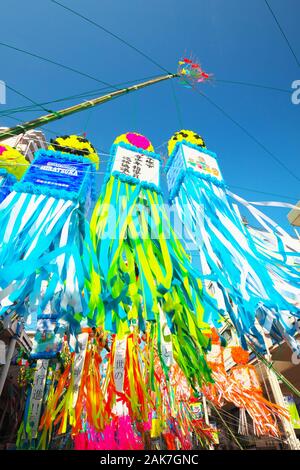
<point>43,120</point>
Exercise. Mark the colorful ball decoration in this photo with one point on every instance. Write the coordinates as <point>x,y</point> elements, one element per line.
<point>75,145</point>
<point>136,140</point>
<point>185,135</point>
<point>13,161</point>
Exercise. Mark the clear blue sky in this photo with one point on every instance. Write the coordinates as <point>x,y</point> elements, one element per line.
<point>234,39</point>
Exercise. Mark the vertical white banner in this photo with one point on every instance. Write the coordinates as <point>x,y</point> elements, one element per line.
<point>37,395</point>
<point>79,364</point>
<point>165,339</point>
<point>119,363</point>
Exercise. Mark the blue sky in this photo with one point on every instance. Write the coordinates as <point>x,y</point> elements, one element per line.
<point>233,39</point>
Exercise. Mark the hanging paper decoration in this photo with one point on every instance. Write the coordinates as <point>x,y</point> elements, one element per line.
<point>244,390</point>
<point>12,161</point>
<point>12,166</point>
<point>178,414</point>
<point>107,398</point>
<point>242,278</point>
<point>216,392</point>
<point>241,387</point>
<point>191,73</point>
<point>119,434</point>
<point>7,181</point>
<point>293,411</point>
<point>75,145</point>
<point>45,257</point>
<point>144,268</point>
<point>48,338</point>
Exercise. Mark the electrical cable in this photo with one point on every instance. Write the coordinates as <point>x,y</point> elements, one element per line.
<point>146,56</point>
<point>252,137</point>
<point>283,33</point>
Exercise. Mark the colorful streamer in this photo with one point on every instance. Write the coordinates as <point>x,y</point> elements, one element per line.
<point>45,259</point>
<point>144,268</point>
<point>244,278</point>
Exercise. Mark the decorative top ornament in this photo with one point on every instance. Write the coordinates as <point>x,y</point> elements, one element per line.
<point>75,145</point>
<point>191,73</point>
<point>136,140</point>
<point>187,136</point>
<point>12,161</point>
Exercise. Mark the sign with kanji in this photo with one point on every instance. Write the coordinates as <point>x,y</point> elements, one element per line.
<point>137,165</point>
<point>119,363</point>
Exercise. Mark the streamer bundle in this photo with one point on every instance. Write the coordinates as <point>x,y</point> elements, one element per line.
<point>44,251</point>
<point>251,281</point>
<point>146,274</point>
<point>242,388</point>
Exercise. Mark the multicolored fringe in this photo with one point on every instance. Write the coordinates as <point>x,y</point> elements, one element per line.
<point>253,280</point>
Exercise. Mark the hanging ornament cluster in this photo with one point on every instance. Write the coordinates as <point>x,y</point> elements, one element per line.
<point>250,281</point>
<point>241,387</point>
<point>191,73</point>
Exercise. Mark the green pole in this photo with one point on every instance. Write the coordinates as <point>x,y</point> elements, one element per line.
<point>43,120</point>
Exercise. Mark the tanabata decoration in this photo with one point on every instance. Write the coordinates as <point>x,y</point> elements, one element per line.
<point>119,434</point>
<point>7,181</point>
<point>247,280</point>
<point>191,73</point>
<point>12,166</point>
<point>241,387</point>
<point>146,276</point>
<point>179,414</point>
<point>245,391</point>
<point>293,411</point>
<point>216,391</point>
<point>45,256</point>
<point>12,161</point>
<point>116,393</point>
<point>75,145</point>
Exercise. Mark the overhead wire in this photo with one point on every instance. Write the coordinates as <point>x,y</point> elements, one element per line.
<point>45,59</point>
<point>90,93</point>
<point>251,136</point>
<point>282,32</point>
<point>162,68</point>
<point>251,84</point>
<point>40,106</point>
<point>278,160</point>
<point>106,30</point>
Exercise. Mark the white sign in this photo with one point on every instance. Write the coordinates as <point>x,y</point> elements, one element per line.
<point>119,363</point>
<point>137,165</point>
<point>37,395</point>
<point>166,339</point>
<point>79,363</point>
<point>201,162</point>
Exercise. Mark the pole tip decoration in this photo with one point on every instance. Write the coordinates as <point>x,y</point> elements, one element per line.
<point>191,73</point>
<point>13,161</point>
<point>76,145</point>
<point>185,135</point>
<point>136,140</point>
